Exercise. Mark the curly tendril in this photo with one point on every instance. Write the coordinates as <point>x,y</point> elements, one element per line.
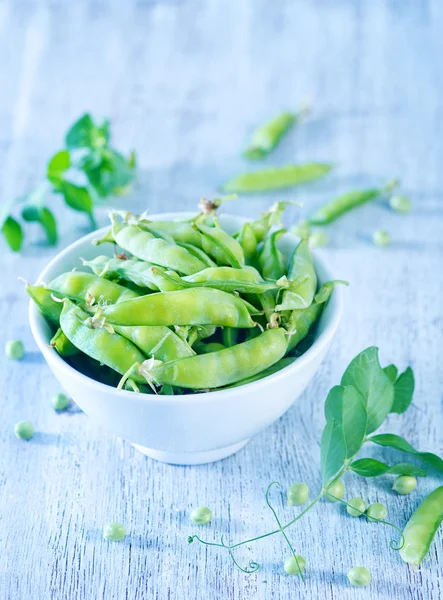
<point>393,544</point>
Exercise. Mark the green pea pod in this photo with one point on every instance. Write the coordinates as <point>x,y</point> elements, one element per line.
<point>180,231</point>
<point>146,246</point>
<point>202,348</point>
<point>247,240</point>
<point>336,208</point>
<point>222,247</point>
<point>77,285</point>
<point>45,303</point>
<point>221,368</point>
<point>273,216</point>
<point>107,238</point>
<point>198,253</point>
<point>276,178</point>
<point>200,306</point>
<point>61,343</point>
<point>196,333</point>
<point>275,368</point>
<point>158,341</point>
<point>266,137</point>
<point>303,280</point>
<point>422,527</point>
<point>110,349</point>
<point>226,279</point>
<point>301,320</point>
<point>271,260</point>
<point>139,272</point>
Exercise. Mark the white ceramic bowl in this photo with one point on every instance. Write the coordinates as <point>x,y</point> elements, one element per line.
<point>189,429</point>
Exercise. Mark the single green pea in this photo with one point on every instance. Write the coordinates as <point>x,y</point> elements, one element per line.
<point>400,204</point>
<point>301,229</point>
<point>298,494</point>
<point>404,484</point>
<point>337,489</point>
<point>359,576</point>
<point>114,532</point>
<point>356,507</point>
<point>201,515</point>
<point>24,430</point>
<point>14,349</point>
<point>60,401</point>
<point>317,239</point>
<point>377,512</point>
<point>381,238</point>
<point>292,568</point>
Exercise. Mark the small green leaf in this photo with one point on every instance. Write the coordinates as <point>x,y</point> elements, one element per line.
<point>109,174</point>
<point>346,406</point>
<point>78,198</point>
<point>391,371</point>
<point>392,440</point>
<point>366,375</point>
<point>57,166</point>
<point>12,233</point>
<point>45,217</point>
<point>333,450</point>
<point>369,467</point>
<point>403,391</point>
<point>84,133</point>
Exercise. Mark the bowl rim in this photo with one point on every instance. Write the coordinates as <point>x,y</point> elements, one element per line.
<point>36,319</point>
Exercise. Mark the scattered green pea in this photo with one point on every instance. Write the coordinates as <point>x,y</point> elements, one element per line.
<point>337,489</point>
<point>381,238</point>
<point>359,576</point>
<point>400,204</point>
<point>301,229</point>
<point>298,494</point>
<point>404,484</point>
<point>377,512</point>
<point>356,507</point>
<point>201,515</point>
<point>14,349</point>
<point>317,239</point>
<point>292,568</point>
<point>24,430</point>
<point>60,401</point>
<point>114,532</point>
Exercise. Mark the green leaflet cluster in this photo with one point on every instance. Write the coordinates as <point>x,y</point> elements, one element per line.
<point>354,411</point>
<point>87,171</point>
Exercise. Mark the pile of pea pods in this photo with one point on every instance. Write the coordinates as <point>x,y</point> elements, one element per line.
<point>183,306</point>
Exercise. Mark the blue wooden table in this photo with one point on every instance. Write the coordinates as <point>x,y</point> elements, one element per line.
<point>184,83</point>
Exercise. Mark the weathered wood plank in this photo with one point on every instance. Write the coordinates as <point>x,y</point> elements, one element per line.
<point>184,83</point>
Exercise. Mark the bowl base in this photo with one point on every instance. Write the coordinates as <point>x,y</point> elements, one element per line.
<point>191,458</point>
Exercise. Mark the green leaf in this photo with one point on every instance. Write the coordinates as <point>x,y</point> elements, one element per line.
<point>58,164</point>
<point>43,216</point>
<point>392,440</point>
<point>108,174</point>
<point>403,391</point>
<point>12,233</point>
<point>369,467</point>
<point>391,371</point>
<point>85,134</point>
<point>366,375</point>
<point>346,406</point>
<point>276,178</point>
<point>78,198</point>
<point>332,450</point>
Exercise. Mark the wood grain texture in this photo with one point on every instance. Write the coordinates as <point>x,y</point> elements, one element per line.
<point>185,83</point>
